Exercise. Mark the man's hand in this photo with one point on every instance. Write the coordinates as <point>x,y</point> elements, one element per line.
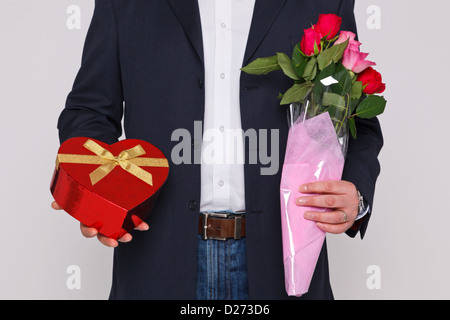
<point>109,242</point>
<point>339,196</point>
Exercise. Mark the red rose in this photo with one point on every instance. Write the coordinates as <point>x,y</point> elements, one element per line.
<point>372,81</point>
<point>310,39</point>
<point>328,25</point>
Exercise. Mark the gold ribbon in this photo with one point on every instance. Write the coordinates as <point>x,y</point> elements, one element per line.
<point>129,160</point>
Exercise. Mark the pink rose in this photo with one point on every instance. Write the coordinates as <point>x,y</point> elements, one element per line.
<point>328,25</point>
<point>355,60</point>
<point>352,44</point>
<point>310,39</point>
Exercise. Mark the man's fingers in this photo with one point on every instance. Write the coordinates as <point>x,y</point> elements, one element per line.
<point>334,217</point>
<point>56,206</point>
<point>109,242</point>
<point>90,232</point>
<point>325,201</point>
<point>87,231</point>
<point>334,228</point>
<point>143,226</point>
<point>126,238</point>
<point>139,224</point>
<point>335,187</point>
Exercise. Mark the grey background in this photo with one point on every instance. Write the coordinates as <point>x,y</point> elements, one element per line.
<point>406,240</point>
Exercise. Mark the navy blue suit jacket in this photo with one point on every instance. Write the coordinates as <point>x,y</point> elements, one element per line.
<point>143,63</point>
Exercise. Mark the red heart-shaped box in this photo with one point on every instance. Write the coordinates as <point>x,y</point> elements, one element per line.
<point>120,200</point>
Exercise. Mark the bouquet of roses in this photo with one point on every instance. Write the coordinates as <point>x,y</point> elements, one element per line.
<point>333,85</point>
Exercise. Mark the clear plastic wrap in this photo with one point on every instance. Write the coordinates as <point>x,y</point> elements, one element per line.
<point>315,151</point>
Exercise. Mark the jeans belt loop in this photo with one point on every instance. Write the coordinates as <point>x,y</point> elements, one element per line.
<point>237,227</point>
<point>205,226</point>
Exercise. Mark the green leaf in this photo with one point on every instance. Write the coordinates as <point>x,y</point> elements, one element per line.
<point>299,60</point>
<point>352,127</point>
<point>353,105</point>
<point>329,55</point>
<point>344,79</point>
<point>370,107</point>
<point>310,69</point>
<point>262,66</point>
<point>357,89</point>
<point>297,93</point>
<point>333,99</point>
<point>316,49</point>
<point>325,73</point>
<point>319,88</point>
<point>286,65</point>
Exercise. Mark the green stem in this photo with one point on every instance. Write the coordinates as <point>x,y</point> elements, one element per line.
<point>338,130</point>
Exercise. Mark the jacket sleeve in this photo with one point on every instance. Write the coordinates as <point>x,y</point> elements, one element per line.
<point>94,107</point>
<point>362,166</point>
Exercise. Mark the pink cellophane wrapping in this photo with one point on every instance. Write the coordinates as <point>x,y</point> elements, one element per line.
<point>313,153</point>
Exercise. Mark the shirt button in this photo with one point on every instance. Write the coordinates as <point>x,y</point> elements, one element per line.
<point>222,128</point>
<point>194,143</point>
<point>221,183</point>
<point>222,76</point>
<point>223,25</point>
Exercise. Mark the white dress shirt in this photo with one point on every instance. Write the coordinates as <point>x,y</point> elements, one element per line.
<point>225,27</point>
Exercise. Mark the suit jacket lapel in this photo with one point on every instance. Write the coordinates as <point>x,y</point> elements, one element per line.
<point>188,15</point>
<point>264,15</point>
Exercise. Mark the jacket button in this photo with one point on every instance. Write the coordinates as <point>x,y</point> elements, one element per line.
<point>192,205</point>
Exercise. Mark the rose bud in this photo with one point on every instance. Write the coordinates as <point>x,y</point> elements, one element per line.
<point>328,25</point>
<point>310,38</point>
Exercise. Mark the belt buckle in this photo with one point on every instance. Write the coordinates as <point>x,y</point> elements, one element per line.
<point>237,224</point>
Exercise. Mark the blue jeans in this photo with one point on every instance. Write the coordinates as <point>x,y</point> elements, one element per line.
<point>221,270</point>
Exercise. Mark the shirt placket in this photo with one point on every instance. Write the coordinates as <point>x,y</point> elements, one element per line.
<point>222,101</point>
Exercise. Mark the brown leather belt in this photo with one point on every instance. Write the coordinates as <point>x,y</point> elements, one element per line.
<point>221,226</point>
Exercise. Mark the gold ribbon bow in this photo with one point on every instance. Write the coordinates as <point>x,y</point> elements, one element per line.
<point>129,160</point>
